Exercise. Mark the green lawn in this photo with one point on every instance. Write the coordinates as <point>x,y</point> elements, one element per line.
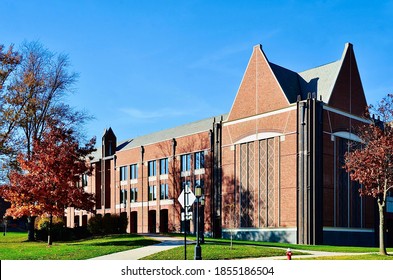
<point>219,251</point>
<point>14,246</point>
<point>326,248</point>
<point>215,249</point>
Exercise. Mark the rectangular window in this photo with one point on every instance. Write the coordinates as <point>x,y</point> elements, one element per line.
<point>163,166</point>
<point>164,191</point>
<point>84,180</point>
<point>134,171</point>
<point>134,194</point>
<point>185,183</point>
<point>123,196</point>
<point>152,168</point>
<point>199,160</point>
<point>123,173</point>
<point>200,183</point>
<point>185,162</point>
<point>152,193</point>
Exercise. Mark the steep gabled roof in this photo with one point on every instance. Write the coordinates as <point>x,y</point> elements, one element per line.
<point>320,80</point>
<point>259,91</point>
<point>325,81</point>
<point>288,80</point>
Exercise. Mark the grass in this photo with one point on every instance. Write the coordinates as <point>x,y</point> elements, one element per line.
<point>215,249</point>
<point>325,248</point>
<point>219,251</point>
<point>14,246</point>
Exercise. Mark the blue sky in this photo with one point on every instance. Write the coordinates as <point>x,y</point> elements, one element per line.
<point>145,66</point>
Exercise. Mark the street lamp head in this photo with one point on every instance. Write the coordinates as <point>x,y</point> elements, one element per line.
<point>202,200</point>
<point>198,191</point>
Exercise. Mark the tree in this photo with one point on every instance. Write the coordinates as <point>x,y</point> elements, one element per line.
<point>372,164</point>
<point>9,61</point>
<point>34,84</point>
<point>49,180</point>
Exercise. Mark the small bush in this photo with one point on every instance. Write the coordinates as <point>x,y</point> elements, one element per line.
<point>94,225</point>
<point>108,224</point>
<point>59,232</point>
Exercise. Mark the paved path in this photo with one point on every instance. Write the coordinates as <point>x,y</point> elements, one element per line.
<point>166,243</point>
<point>310,254</point>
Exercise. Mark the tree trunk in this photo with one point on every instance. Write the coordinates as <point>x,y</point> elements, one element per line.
<point>50,230</point>
<point>30,228</point>
<point>382,248</point>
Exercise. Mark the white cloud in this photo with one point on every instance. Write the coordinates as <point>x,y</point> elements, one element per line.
<point>153,114</point>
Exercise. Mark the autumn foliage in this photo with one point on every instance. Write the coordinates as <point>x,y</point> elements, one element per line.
<point>371,164</point>
<point>48,181</point>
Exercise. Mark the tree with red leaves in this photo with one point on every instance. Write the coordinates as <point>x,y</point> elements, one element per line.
<point>372,164</point>
<point>48,182</point>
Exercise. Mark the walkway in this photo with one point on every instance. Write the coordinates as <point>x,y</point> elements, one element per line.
<point>167,243</point>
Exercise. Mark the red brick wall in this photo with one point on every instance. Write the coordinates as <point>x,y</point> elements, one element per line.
<point>258,89</point>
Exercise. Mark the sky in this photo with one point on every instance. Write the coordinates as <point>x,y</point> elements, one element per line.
<point>146,65</point>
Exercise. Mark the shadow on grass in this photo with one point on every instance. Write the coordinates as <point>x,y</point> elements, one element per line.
<point>131,243</point>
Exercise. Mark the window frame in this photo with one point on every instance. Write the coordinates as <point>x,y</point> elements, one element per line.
<point>185,162</point>
<point>152,168</point>
<point>133,171</point>
<point>123,173</point>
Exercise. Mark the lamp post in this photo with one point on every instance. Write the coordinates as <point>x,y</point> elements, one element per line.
<point>202,219</point>
<point>198,249</point>
<point>5,225</point>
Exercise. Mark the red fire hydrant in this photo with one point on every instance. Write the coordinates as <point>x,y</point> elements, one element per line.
<point>289,254</point>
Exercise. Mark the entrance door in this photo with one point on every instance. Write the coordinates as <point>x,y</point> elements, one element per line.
<point>134,222</point>
<point>152,221</point>
<point>164,220</point>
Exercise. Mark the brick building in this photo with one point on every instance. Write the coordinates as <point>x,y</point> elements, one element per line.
<point>271,169</point>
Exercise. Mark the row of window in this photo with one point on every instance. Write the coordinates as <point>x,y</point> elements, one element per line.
<point>134,195</point>
<point>199,161</point>
<point>133,172</point>
<point>185,163</point>
<point>164,193</point>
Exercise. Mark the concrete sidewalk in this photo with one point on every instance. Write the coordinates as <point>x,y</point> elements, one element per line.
<point>310,254</point>
<point>167,243</point>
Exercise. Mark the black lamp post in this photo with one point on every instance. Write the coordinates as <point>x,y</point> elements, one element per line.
<point>5,225</point>
<point>198,249</point>
<point>202,219</point>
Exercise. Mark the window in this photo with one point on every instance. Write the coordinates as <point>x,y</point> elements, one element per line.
<point>123,173</point>
<point>185,183</point>
<point>199,160</point>
<point>200,183</point>
<point>185,162</point>
<point>134,171</point>
<point>123,196</point>
<point>152,193</point>
<point>84,180</point>
<point>152,168</point>
<point>134,194</point>
<point>164,192</point>
<point>389,202</point>
<point>163,166</point>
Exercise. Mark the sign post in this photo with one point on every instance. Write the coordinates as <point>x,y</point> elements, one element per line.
<point>186,199</point>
